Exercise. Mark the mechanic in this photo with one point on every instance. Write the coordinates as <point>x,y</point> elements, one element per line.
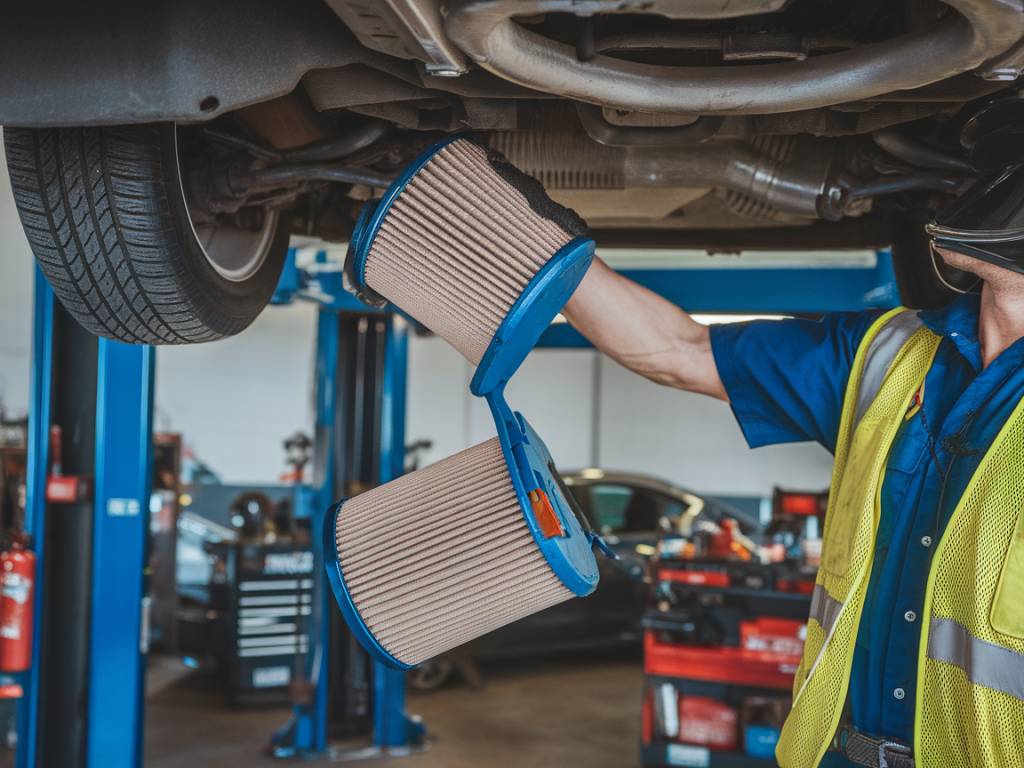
<point>915,645</point>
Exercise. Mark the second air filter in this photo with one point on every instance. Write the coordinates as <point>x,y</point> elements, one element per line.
<point>445,554</point>
<point>473,249</point>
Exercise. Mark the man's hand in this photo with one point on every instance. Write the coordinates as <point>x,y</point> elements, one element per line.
<point>644,332</point>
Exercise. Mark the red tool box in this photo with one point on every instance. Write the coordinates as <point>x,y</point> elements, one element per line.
<point>722,642</point>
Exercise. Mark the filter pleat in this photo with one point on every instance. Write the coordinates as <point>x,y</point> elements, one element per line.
<point>454,618</point>
<point>463,224</point>
<point>457,517</point>
<point>433,560</point>
<point>415,615</point>
<point>470,262</point>
<point>513,204</point>
<point>435,638</point>
<point>442,555</point>
<point>458,246</point>
<point>393,593</point>
<point>449,481</point>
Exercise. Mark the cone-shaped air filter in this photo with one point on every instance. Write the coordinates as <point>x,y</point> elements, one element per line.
<point>473,249</point>
<point>448,553</point>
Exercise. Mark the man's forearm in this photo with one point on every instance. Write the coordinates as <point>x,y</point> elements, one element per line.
<point>644,332</point>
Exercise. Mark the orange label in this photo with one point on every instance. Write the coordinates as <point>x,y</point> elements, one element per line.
<point>545,514</point>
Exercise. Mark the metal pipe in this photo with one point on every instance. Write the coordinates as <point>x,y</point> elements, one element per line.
<point>793,187</point>
<point>600,130</point>
<point>245,181</point>
<point>704,41</point>
<point>887,185</point>
<point>486,31</point>
<point>360,137</point>
<point>910,151</point>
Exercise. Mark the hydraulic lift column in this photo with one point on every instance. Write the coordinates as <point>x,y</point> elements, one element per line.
<point>368,449</point>
<point>83,700</point>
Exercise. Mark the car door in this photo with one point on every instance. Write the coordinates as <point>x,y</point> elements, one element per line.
<point>631,519</point>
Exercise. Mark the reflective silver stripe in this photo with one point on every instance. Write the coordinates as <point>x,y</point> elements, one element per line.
<point>824,608</point>
<point>985,663</point>
<point>883,350</point>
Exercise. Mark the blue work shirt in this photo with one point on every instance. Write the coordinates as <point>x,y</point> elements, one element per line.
<point>786,381</point>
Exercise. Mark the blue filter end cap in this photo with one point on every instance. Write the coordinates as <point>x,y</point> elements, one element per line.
<point>568,552</point>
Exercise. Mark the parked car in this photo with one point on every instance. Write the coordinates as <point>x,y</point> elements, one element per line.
<point>632,512</point>
<point>161,153</point>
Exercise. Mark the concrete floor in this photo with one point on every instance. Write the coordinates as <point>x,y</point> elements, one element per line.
<point>552,713</point>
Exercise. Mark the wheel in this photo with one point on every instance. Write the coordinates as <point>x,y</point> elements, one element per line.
<point>108,219</point>
<point>430,675</point>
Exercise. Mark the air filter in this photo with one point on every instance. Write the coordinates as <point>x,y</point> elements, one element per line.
<point>450,552</point>
<point>473,249</point>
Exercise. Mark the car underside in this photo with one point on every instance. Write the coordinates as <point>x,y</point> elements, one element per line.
<point>164,152</point>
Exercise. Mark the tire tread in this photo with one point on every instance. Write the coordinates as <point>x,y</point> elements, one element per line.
<point>95,208</point>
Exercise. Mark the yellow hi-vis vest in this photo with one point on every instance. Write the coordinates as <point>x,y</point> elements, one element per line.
<point>970,675</point>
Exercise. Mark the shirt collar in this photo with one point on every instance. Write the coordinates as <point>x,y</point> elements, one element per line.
<point>958,322</point>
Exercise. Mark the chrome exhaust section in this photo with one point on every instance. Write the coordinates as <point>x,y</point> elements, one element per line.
<point>798,181</point>
<point>978,32</point>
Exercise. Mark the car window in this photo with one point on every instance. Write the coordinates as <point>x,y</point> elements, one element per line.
<point>624,509</point>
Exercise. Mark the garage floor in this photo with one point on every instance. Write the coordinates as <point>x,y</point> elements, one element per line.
<point>551,713</point>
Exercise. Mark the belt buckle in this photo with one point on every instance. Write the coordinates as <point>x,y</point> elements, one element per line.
<point>891,747</point>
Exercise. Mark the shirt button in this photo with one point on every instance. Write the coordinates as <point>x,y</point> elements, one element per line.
<point>926,541</point>
<point>899,694</point>
<point>910,616</point>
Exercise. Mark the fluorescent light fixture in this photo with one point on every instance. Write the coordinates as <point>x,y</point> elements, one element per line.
<point>708,319</point>
<point>682,258</point>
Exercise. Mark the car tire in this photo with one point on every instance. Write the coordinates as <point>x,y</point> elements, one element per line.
<point>431,674</point>
<point>106,215</point>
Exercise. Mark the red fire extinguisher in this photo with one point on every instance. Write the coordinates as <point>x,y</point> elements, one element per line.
<point>17,579</point>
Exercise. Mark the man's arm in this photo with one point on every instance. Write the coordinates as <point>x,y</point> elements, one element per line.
<point>644,332</point>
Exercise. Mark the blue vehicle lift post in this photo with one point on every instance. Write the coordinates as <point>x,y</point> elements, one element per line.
<point>83,697</point>
<point>360,384</point>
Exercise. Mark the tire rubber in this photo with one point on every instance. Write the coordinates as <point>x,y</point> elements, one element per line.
<point>105,216</point>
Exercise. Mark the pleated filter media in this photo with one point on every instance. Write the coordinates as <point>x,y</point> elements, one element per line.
<point>450,552</point>
<point>474,250</point>
<point>456,561</point>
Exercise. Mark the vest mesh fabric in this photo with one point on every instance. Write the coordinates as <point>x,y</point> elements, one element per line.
<point>961,723</point>
<point>458,247</point>
<point>822,679</point>
<point>443,555</point>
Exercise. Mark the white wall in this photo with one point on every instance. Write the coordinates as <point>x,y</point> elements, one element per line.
<point>16,276</point>
<point>553,389</point>
<point>694,441</point>
<point>236,400</point>
<point>688,439</point>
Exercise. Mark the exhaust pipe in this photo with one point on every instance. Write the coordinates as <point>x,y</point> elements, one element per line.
<point>769,174</point>
<point>486,31</point>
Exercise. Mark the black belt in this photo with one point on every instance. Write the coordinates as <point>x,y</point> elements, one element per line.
<point>861,749</point>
